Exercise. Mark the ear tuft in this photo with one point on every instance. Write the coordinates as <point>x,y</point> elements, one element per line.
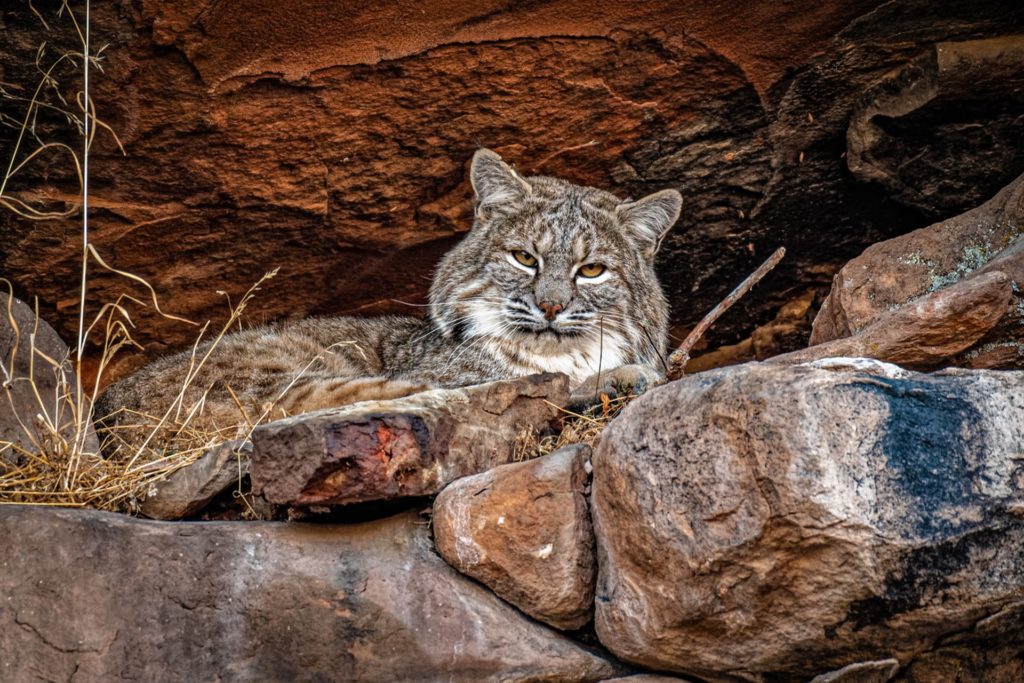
<point>648,219</point>
<point>495,183</point>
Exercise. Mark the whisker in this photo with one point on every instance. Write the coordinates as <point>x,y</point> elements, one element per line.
<point>618,319</point>
<point>446,303</point>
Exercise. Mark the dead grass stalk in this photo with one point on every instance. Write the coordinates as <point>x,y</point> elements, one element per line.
<point>59,461</point>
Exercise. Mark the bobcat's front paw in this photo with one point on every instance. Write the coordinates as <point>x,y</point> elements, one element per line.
<point>622,381</point>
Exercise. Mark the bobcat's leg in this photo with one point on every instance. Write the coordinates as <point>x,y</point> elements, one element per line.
<point>625,379</point>
<point>314,393</point>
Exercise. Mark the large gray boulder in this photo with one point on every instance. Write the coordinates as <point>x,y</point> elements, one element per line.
<point>94,596</point>
<point>764,520</point>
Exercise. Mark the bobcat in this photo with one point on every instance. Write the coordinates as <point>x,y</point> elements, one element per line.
<point>552,277</point>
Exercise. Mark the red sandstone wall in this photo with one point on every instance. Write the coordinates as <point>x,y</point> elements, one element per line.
<point>332,141</point>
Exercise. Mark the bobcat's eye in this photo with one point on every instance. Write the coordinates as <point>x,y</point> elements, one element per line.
<point>591,269</point>
<point>526,258</point>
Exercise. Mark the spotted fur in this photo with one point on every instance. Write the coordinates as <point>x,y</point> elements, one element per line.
<point>492,314</point>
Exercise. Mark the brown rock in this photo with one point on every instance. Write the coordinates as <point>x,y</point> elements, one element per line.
<point>861,672</point>
<point>413,446</point>
<point>187,491</point>
<point>784,521</point>
<point>36,379</point>
<point>891,274</point>
<point>989,653</point>
<point>644,678</point>
<point>351,131</point>
<point>926,332</point>
<point>523,530</point>
<point>101,597</point>
<point>906,106</point>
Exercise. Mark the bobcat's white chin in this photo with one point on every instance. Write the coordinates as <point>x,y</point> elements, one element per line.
<point>579,366</point>
<point>526,352</point>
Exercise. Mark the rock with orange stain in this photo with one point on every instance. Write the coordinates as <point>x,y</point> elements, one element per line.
<point>413,446</point>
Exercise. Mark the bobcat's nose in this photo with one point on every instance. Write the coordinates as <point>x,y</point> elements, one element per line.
<point>550,308</point>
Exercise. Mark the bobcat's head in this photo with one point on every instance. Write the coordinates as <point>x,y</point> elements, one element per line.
<point>555,276</point>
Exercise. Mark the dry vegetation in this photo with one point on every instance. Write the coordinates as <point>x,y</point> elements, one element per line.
<point>576,427</point>
<point>60,461</point>
<point>65,465</point>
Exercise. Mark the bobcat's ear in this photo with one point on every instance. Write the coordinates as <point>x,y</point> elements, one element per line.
<point>495,183</point>
<point>648,219</point>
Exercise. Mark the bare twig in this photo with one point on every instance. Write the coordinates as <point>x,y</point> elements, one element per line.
<point>677,361</point>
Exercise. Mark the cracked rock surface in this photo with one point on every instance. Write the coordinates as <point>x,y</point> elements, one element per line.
<point>93,596</point>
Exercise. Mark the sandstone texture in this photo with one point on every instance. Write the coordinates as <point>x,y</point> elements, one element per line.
<point>37,385</point>
<point>930,330</point>
<point>334,144</point>
<point>783,522</point>
<point>413,446</point>
<point>861,672</point>
<point>943,262</point>
<point>187,491</point>
<point>992,652</point>
<point>523,530</point>
<point>256,601</point>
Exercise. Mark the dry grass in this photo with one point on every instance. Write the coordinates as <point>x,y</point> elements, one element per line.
<point>57,460</point>
<point>54,473</point>
<point>584,427</point>
<point>62,463</point>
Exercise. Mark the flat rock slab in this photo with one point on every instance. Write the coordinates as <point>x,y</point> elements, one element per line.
<point>524,531</point>
<point>926,332</point>
<point>98,597</point>
<point>773,521</point>
<point>413,446</point>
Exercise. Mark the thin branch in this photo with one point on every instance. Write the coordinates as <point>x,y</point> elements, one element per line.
<point>677,361</point>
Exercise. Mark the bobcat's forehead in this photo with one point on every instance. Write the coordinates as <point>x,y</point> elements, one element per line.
<point>570,223</point>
